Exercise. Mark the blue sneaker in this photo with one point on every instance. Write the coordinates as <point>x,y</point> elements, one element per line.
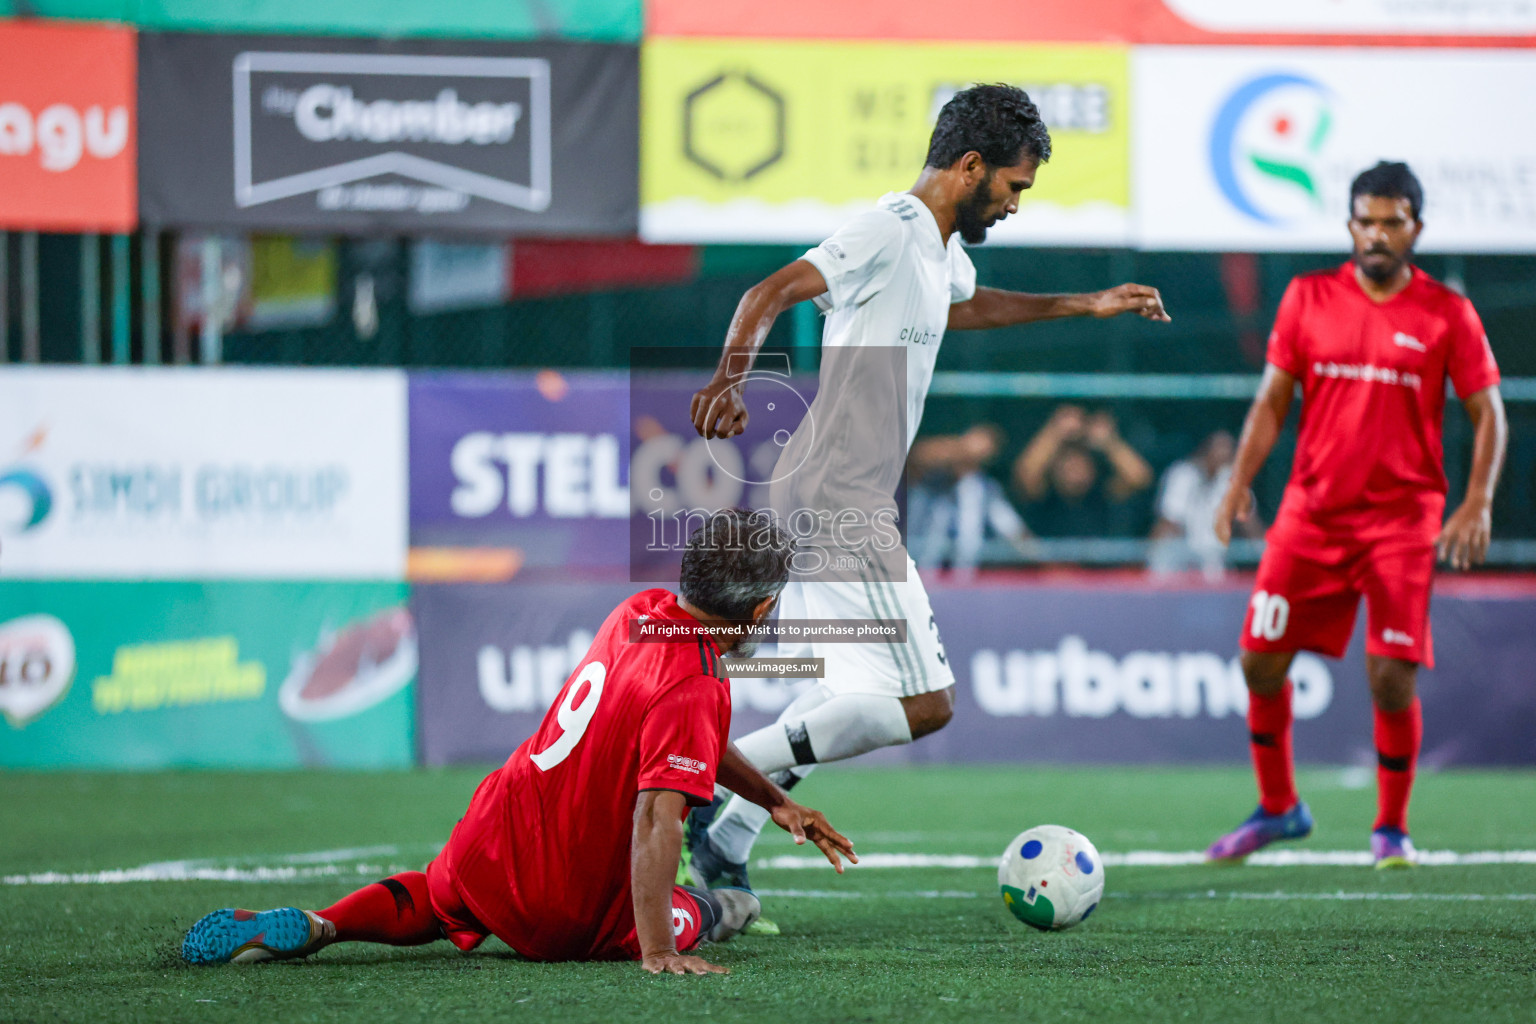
<point>1392,848</point>
<point>1260,830</point>
<point>246,936</point>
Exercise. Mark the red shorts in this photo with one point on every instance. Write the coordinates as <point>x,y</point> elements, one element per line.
<point>1307,594</point>
<point>464,930</point>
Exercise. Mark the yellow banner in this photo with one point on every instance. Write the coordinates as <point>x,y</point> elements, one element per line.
<point>746,140</point>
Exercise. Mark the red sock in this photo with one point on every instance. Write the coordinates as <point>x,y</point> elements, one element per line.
<point>1398,737</point>
<point>396,911</point>
<point>1269,730</point>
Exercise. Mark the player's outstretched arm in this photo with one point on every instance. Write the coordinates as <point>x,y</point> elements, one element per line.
<point>655,849</point>
<point>741,777</point>
<point>1463,542</point>
<point>994,307</point>
<point>717,409</point>
<point>1265,418</point>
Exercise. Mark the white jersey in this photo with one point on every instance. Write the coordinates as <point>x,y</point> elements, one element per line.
<point>890,282</point>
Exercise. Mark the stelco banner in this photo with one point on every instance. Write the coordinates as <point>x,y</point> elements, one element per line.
<point>761,141</point>
<point>1254,149</point>
<point>1044,673</point>
<point>68,128</point>
<point>258,675</point>
<point>338,135</point>
<point>202,474</point>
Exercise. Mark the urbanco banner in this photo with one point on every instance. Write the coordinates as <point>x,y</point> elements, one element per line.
<point>202,474</point>
<point>68,127</point>
<point>1055,673</point>
<point>783,141</point>
<point>254,674</point>
<point>1254,149</point>
<point>337,135</point>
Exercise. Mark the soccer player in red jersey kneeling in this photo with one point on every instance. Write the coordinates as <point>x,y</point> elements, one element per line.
<point>1372,345</point>
<point>569,850</point>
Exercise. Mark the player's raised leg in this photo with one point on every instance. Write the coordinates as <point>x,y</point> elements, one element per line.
<point>396,911</point>
<point>1280,814</point>
<point>1399,732</point>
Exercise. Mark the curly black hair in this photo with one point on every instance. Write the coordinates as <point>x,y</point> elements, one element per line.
<point>1390,180</point>
<point>1000,122</point>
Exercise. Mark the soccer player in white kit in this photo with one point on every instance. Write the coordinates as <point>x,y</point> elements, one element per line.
<point>890,282</point>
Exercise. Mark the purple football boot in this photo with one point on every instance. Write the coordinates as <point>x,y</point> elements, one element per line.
<point>1259,831</point>
<point>1393,849</point>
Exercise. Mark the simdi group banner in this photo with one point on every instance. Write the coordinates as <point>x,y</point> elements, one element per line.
<point>1462,22</point>
<point>337,135</point>
<point>783,141</point>
<point>68,127</point>
<point>1255,148</point>
<point>236,674</point>
<point>1043,673</point>
<point>202,474</point>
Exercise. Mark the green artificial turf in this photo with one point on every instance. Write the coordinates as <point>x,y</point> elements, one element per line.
<point>1247,943</point>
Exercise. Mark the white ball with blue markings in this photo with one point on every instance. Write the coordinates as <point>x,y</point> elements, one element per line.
<point>1051,877</point>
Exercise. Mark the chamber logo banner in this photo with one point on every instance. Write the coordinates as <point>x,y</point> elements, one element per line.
<point>329,134</point>
<point>453,127</point>
<point>1255,149</point>
<point>166,474</point>
<point>67,128</point>
<point>773,141</point>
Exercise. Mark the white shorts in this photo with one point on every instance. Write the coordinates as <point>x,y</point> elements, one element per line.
<point>880,667</point>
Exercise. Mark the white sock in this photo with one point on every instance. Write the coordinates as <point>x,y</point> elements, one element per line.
<point>817,727</point>
<point>739,822</point>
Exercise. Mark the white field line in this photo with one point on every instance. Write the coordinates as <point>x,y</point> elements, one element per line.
<point>1210,894</point>
<point>1163,859</point>
<point>369,862</point>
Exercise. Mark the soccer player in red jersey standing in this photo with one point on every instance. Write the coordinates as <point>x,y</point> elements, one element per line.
<point>568,851</point>
<point>1372,345</point>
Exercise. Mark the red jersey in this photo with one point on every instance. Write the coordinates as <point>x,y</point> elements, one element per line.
<point>542,855</point>
<point>1373,396</point>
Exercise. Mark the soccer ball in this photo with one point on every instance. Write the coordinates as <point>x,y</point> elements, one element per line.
<point>1051,877</point>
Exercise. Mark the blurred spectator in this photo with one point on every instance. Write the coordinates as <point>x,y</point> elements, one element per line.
<point>1077,476</point>
<point>953,506</point>
<point>1184,536</point>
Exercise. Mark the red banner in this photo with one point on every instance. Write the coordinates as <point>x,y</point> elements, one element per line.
<point>1296,22</point>
<point>68,127</point>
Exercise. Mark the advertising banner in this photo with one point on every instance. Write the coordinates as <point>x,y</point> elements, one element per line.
<point>617,20</point>
<point>1352,22</point>
<point>1254,149</point>
<point>68,128</point>
<point>772,141</point>
<point>254,675</point>
<point>1044,673</point>
<point>337,135</point>
<point>532,463</point>
<point>540,466</point>
<point>493,657</point>
<point>202,474</point>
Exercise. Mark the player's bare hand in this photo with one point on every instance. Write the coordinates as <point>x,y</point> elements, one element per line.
<point>1141,299</point>
<point>717,410</point>
<point>1236,504</point>
<point>672,962</point>
<point>1463,541</point>
<point>804,824</point>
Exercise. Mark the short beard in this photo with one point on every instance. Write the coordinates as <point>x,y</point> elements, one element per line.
<point>1381,273</point>
<point>745,648</point>
<point>970,214</point>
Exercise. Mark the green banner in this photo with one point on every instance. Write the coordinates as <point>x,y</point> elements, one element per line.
<point>605,20</point>
<point>262,675</point>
